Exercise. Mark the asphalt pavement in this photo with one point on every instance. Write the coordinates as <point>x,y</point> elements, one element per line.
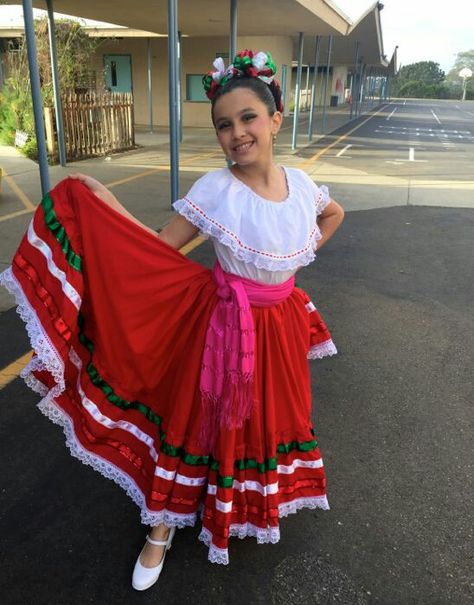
<point>393,410</point>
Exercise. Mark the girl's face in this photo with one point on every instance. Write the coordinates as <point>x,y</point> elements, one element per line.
<point>244,129</point>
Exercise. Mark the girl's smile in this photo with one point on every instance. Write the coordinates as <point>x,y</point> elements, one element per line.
<point>244,128</point>
<point>242,148</point>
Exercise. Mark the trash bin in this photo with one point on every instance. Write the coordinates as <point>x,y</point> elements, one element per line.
<point>334,100</point>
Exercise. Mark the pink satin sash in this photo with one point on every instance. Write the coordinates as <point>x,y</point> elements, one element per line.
<point>227,370</point>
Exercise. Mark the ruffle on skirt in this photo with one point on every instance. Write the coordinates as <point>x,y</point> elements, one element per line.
<point>117,320</point>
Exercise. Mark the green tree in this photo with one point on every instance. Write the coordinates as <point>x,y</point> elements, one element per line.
<point>420,90</point>
<point>427,72</point>
<point>463,59</point>
<point>454,82</point>
<point>412,80</point>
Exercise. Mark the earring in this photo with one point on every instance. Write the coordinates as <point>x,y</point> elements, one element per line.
<point>274,139</point>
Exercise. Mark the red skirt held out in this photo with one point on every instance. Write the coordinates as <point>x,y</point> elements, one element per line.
<point>117,320</point>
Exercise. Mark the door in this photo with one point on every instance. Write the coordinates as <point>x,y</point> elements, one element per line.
<point>118,73</point>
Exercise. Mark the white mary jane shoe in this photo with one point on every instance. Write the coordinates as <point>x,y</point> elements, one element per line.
<point>144,577</point>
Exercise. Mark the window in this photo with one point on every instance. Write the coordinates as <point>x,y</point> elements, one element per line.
<point>113,71</point>
<point>194,88</point>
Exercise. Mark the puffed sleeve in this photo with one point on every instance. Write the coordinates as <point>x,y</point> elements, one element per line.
<point>319,193</point>
<point>322,198</point>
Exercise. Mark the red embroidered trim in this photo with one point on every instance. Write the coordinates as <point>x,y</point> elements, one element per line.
<point>242,245</point>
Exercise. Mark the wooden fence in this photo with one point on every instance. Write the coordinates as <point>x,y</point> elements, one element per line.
<point>94,124</point>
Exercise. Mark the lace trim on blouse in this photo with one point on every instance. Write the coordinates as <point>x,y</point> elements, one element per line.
<point>201,217</point>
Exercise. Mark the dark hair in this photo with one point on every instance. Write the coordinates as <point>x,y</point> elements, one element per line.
<point>269,94</point>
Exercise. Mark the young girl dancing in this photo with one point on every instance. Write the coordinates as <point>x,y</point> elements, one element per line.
<point>189,388</point>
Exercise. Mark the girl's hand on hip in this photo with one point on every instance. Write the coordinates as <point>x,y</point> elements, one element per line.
<point>95,186</point>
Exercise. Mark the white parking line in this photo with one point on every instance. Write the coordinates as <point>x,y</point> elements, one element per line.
<point>438,120</point>
<point>388,117</point>
<point>338,155</point>
<point>424,129</point>
<point>411,157</point>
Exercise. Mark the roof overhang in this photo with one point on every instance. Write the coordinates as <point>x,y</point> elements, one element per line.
<point>11,32</point>
<point>392,69</point>
<point>366,31</point>
<point>94,32</point>
<point>211,18</point>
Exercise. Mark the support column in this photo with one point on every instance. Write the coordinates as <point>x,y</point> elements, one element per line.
<point>36,95</point>
<point>370,85</point>
<point>233,30</point>
<point>150,85</point>
<point>173,97</point>
<point>296,113</point>
<point>306,103</point>
<point>57,97</point>
<point>362,88</point>
<point>313,86</point>
<point>358,89</point>
<point>179,88</point>
<point>354,79</point>
<point>326,83</point>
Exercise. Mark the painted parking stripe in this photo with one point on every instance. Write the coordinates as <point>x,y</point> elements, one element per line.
<point>437,119</point>
<point>343,150</point>
<point>388,117</point>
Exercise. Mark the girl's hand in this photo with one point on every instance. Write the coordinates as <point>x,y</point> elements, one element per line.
<point>96,187</point>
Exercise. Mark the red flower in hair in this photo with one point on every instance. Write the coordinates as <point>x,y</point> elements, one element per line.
<point>211,91</point>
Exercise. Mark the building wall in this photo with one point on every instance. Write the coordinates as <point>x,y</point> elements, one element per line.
<point>336,86</point>
<point>198,54</point>
<point>339,83</point>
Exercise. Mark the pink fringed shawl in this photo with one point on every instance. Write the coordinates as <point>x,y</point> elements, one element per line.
<point>227,370</point>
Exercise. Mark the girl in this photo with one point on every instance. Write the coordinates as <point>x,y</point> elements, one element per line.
<point>190,388</point>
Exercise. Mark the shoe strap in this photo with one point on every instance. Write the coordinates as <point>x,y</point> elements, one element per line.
<point>157,542</point>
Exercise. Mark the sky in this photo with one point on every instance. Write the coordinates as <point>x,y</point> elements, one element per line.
<point>425,30</point>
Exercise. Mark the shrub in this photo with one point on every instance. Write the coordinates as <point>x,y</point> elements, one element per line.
<point>30,149</point>
<point>74,49</point>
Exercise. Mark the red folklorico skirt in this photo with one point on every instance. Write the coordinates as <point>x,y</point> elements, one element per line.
<point>117,320</point>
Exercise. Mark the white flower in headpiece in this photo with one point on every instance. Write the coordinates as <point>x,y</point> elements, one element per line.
<point>259,60</point>
<point>221,70</point>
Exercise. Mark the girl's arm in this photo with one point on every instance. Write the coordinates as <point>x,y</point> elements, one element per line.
<point>176,234</point>
<point>328,221</point>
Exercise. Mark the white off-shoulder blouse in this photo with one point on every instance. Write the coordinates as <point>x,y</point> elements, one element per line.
<point>254,237</point>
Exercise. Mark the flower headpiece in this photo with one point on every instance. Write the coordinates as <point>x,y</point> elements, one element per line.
<point>246,63</point>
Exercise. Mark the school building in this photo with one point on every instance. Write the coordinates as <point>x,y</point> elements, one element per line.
<point>160,49</point>
<point>131,53</point>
